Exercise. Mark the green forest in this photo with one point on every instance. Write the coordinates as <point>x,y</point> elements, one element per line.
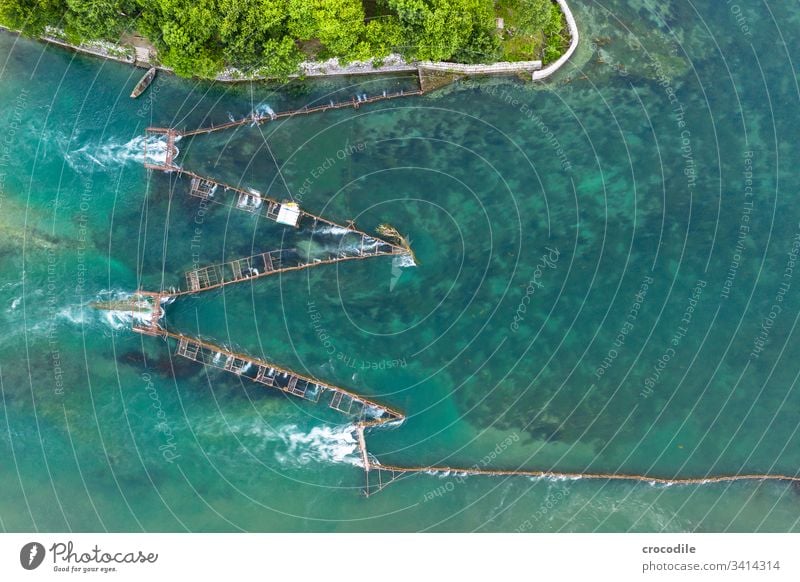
<point>271,37</point>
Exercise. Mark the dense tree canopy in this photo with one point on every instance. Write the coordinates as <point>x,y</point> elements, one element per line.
<point>443,29</point>
<point>31,16</point>
<point>201,37</point>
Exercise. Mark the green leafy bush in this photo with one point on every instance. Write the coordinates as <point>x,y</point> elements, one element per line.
<point>202,37</point>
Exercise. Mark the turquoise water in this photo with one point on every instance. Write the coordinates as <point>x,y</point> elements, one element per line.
<point>655,175</point>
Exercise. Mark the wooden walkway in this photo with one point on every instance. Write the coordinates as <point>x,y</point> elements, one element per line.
<point>370,413</point>
<point>256,119</point>
<point>217,192</point>
<point>172,134</point>
<point>275,261</point>
<point>271,263</point>
<point>273,376</point>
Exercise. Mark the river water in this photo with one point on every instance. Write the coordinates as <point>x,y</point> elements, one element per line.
<point>607,282</point>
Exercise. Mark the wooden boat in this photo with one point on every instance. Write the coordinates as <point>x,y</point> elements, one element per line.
<point>143,83</point>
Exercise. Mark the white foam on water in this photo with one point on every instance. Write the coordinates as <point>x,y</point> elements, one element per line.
<point>121,319</point>
<point>332,229</point>
<point>262,110</point>
<point>76,314</point>
<point>253,202</point>
<point>115,318</point>
<point>290,445</point>
<point>113,154</point>
<point>403,261</point>
<point>322,444</point>
<point>355,248</point>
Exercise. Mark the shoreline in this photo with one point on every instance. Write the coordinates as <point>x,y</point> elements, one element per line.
<point>331,67</point>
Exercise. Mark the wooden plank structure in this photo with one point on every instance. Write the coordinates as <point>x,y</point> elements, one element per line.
<point>230,196</point>
<point>153,326</point>
<point>273,376</point>
<point>255,202</point>
<point>171,136</point>
<point>258,119</point>
<point>371,413</point>
<point>271,263</point>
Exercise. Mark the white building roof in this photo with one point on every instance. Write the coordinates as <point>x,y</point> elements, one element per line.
<point>289,213</point>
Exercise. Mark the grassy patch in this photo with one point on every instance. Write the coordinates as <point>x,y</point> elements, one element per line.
<point>533,29</point>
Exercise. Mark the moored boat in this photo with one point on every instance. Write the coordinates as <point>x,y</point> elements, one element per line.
<point>143,83</point>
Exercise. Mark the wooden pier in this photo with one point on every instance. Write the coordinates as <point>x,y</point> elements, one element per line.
<point>256,119</point>
<point>252,201</point>
<point>268,374</point>
<point>155,300</point>
<point>275,261</point>
<point>271,263</point>
<point>370,413</point>
<point>171,136</point>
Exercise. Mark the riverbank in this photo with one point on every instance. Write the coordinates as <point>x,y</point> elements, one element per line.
<point>135,439</point>
<point>393,63</point>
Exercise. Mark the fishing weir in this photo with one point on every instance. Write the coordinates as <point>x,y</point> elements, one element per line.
<point>369,414</point>
<point>172,134</point>
<point>287,213</point>
<point>366,412</point>
<point>273,262</point>
<point>273,376</point>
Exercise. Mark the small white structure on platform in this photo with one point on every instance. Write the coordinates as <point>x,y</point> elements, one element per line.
<point>289,213</point>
